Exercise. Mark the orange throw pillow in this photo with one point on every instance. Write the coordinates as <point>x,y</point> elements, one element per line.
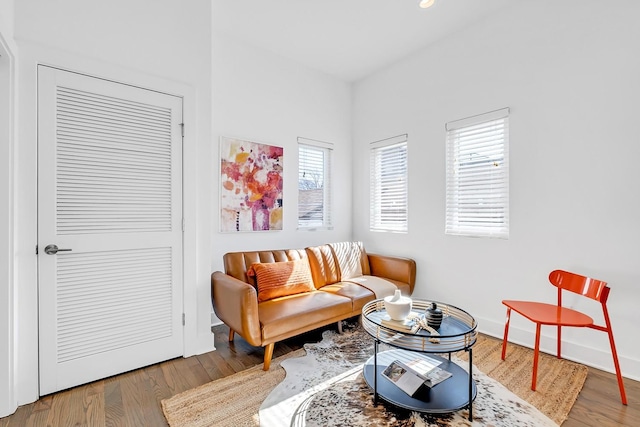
<point>279,279</point>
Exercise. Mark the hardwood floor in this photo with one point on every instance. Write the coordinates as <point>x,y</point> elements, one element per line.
<point>133,398</point>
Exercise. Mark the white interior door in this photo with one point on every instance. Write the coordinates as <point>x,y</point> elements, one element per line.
<point>110,199</point>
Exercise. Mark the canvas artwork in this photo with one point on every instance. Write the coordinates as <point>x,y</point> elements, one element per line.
<point>251,186</point>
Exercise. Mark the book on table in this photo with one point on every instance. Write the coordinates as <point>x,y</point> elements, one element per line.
<point>420,374</point>
<point>405,325</point>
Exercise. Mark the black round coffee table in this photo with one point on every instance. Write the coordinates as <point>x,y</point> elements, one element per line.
<point>456,333</point>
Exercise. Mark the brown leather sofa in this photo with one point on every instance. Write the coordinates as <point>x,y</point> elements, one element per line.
<point>345,278</point>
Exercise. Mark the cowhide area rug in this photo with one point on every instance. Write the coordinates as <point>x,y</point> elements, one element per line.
<point>326,388</point>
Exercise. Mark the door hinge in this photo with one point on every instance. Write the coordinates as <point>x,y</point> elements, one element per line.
<point>36,249</point>
<point>183,319</point>
<point>182,129</point>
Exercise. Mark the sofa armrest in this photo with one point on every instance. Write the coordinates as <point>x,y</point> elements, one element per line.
<point>236,304</point>
<point>395,268</point>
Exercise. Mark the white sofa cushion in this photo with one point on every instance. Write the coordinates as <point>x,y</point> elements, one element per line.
<point>349,255</point>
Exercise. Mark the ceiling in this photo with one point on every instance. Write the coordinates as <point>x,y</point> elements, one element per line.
<point>349,39</point>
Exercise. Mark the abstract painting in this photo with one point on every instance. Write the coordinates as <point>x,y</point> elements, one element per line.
<point>251,186</point>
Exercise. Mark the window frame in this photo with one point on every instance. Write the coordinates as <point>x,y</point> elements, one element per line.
<point>398,221</point>
<point>475,183</point>
<point>327,206</point>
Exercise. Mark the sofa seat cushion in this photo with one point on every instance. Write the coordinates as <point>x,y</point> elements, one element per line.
<point>381,287</point>
<point>283,315</point>
<point>405,289</point>
<point>359,295</point>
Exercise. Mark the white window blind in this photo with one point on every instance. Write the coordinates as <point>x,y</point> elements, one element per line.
<point>314,184</point>
<point>477,190</point>
<point>389,186</point>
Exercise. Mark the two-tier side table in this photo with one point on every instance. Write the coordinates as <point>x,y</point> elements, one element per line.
<point>456,333</point>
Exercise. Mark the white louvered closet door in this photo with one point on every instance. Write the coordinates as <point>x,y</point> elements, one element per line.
<point>110,190</point>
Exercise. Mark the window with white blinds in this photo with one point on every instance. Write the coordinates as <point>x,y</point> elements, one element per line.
<point>388,185</point>
<point>314,184</point>
<point>478,176</point>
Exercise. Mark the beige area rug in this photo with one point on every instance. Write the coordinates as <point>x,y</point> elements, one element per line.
<point>236,400</point>
<point>230,401</point>
<point>559,380</point>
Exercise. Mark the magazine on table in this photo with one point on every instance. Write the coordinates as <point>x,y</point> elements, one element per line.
<point>417,374</point>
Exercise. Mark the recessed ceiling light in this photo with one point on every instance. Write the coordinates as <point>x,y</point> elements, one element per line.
<point>426,3</point>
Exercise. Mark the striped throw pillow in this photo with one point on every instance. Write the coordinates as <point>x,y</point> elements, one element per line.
<point>279,279</point>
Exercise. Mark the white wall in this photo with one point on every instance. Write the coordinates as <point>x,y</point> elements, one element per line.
<point>6,17</point>
<point>162,45</point>
<point>569,72</point>
<point>7,120</point>
<point>262,97</point>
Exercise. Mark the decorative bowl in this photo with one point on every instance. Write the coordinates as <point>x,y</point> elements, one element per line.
<point>397,306</point>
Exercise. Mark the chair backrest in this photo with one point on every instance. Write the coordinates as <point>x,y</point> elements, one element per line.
<point>586,286</point>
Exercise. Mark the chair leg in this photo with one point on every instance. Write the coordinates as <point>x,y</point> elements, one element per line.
<point>559,341</point>
<point>232,333</point>
<point>614,353</point>
<point>268,354</point>
<point>506,333</point>
<point>536,353</point>
<point>340,327</point>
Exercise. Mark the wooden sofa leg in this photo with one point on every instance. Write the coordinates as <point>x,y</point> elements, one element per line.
<point>340,326</point>
<point>268,354</point>
<point>231,334</point>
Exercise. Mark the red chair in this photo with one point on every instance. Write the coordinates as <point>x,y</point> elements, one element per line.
<point>550,314</point>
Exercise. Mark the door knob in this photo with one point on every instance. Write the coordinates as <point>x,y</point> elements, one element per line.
<point>53,249</point>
